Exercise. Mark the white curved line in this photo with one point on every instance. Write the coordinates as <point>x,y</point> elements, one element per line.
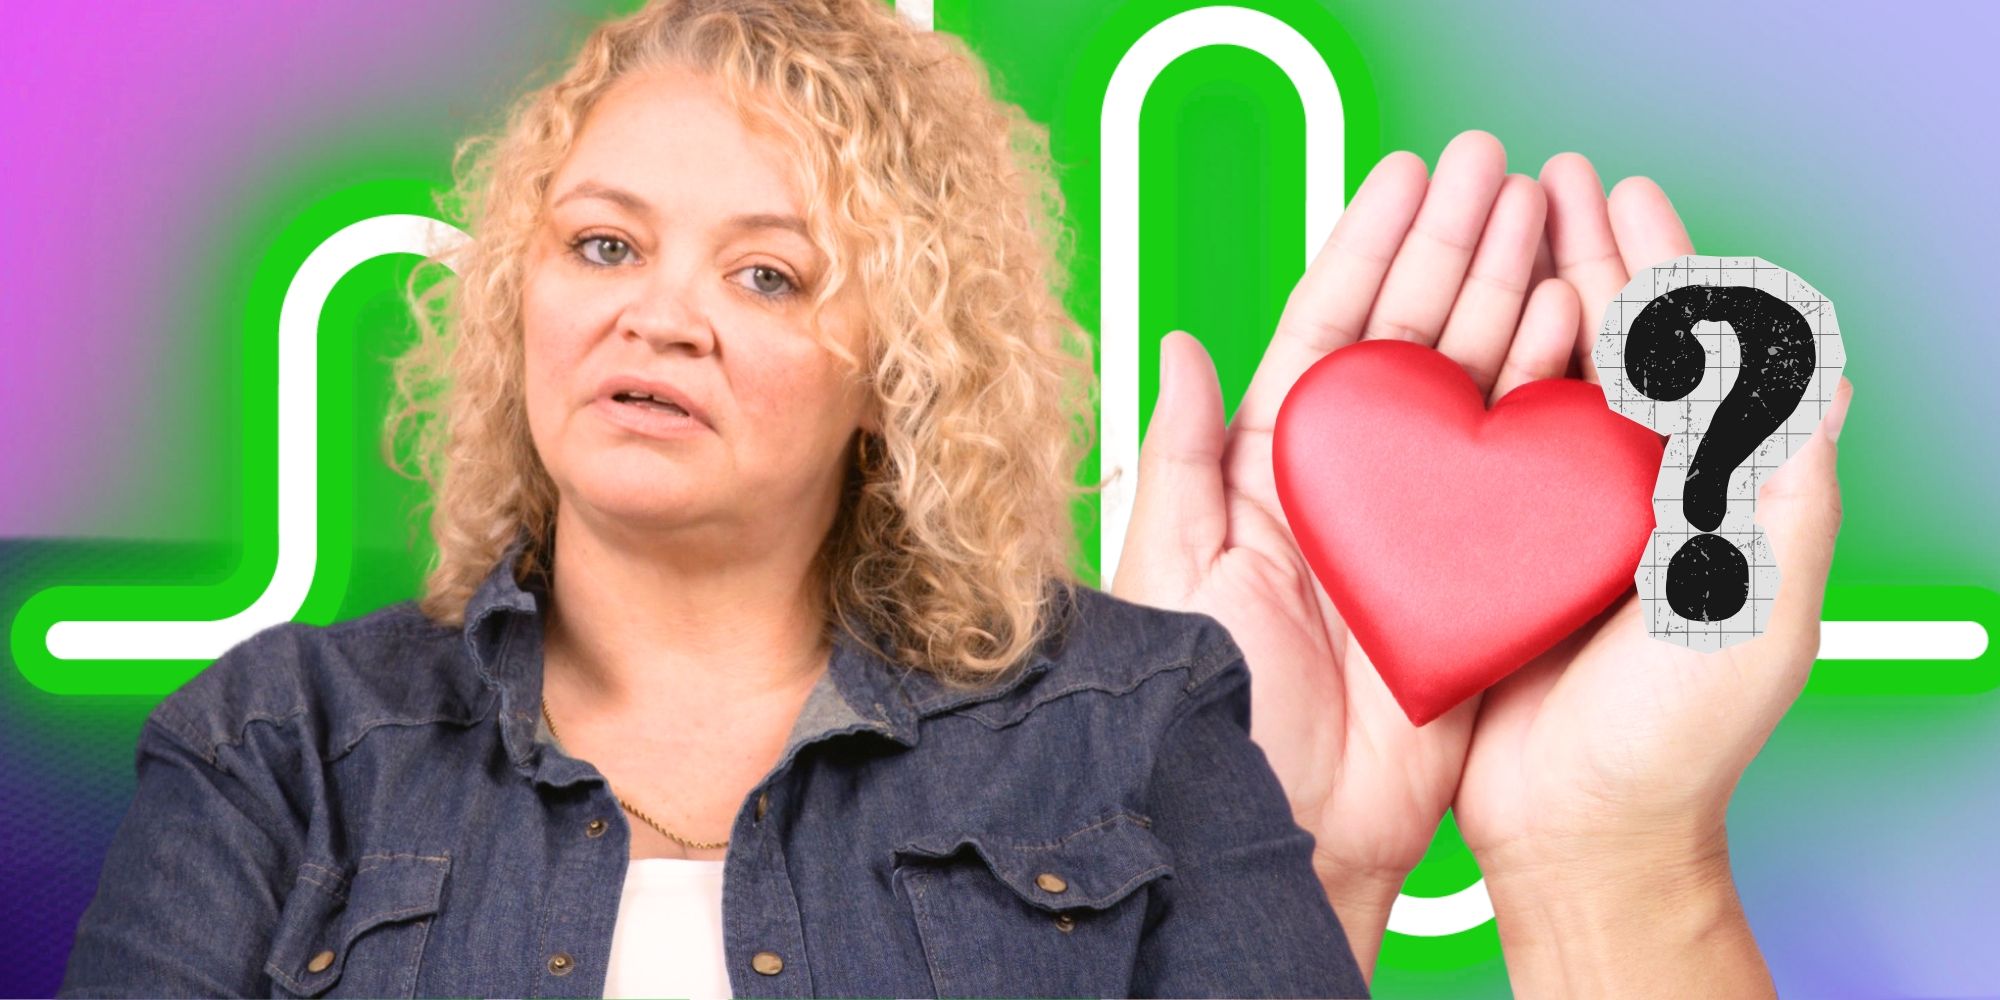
<point>1439,916</point>
<point>1119,224</point>
<point>298,460</point>
<point>1864,640</point>
<point>305,298</point>
<point>919,12</point>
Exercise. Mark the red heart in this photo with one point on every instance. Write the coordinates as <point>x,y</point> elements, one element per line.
<point>1458,542</point>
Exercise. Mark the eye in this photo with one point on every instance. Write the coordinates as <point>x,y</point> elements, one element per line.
<point>769,282</point>
<point>612,245</point>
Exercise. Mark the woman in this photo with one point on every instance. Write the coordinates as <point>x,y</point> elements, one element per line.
<point>752,660</point>
<point>752,425</point>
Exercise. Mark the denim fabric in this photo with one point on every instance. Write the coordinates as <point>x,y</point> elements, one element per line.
<point>365,809</point>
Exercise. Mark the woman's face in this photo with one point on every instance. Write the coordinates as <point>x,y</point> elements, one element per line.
<point>673,262</point>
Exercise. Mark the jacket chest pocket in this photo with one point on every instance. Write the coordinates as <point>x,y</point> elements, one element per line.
<point>357,929</point>
<point>999,916</point>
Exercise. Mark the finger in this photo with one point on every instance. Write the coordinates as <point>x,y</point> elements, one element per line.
<point>1646,227</point>
<point>1424,280</point>
<point>1541,347</point>
<point>1585,251</point>
<point>1488,309</point>
<point>1327,307</point>
<point>1545,268</point>
<point>1179,519</point>
<point>1545,264</point>
<point>1799,510</point>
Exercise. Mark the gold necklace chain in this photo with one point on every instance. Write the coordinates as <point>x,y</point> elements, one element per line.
<point>648,820</point>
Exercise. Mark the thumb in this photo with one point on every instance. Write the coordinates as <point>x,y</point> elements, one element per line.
<point>1178,520</point>
<point>1799,507</point>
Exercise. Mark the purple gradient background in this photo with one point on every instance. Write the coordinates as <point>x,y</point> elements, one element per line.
<point>136,129</point>
<point>148,140</point>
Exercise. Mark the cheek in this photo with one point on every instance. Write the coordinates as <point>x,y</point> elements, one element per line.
<point>802,399</point>
<point>552,347</point>
<point>538,393</point>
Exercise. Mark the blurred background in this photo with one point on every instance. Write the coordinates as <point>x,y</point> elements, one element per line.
<point>170,165</point>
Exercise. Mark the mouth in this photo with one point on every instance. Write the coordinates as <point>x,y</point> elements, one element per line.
<point>648,401</point>
<point>636,411</point>
<point>655,400</point>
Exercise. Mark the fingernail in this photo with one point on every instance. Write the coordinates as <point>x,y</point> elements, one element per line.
<point>1836,415</point>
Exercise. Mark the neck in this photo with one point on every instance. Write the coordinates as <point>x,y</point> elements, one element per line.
<point>650,626</point>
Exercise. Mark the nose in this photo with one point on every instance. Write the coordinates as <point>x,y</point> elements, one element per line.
<point>667,314</point>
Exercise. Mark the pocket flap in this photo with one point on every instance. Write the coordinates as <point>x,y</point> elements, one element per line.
<point>332,905</point>
<point>1092,868</point>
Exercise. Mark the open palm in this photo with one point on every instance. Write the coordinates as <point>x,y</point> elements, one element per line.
<point>1445,261</point>
<point>1614,734</point>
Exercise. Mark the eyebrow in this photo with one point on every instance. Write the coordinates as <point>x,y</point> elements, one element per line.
<point>639,206</point>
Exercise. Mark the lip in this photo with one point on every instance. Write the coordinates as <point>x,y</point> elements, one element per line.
<point>658,390</point>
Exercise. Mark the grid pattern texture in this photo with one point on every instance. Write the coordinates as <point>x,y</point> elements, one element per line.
<point>1688,418</point>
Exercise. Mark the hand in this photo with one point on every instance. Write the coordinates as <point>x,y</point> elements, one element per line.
<point>1443,261</point>
<point>1610,759</point>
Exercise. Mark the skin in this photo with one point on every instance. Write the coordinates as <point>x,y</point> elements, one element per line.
<point>683,585</point>
<point>683,580</point>
<point>1590,785</point>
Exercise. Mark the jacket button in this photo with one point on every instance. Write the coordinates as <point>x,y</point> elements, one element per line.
<point>763,802</point>
<point>1051,882</point>
<point>1065,923</point>
<point>560,963</point>
<point>767,963</point>
<point>320,962</point>
<point>595,828</point>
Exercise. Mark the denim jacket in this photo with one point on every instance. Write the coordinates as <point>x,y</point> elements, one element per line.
<point>365,809</point>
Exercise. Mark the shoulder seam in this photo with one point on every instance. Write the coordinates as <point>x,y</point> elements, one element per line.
<point>210,751</point>
<point>1211,661</point>
<point>243,731</point>
<point>1196,688</point>
<point>1201,668</point>
<point>171,717</point>
<point>364,729</point>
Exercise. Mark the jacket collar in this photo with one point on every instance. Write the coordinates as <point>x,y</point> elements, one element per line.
<point>503,634</point>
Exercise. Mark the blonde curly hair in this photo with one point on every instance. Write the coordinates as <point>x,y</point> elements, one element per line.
<point>954,549</point>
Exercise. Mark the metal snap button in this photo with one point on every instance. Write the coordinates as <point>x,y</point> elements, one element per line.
<point>595,828</point>
<point>560,963</point>
<point>1051,882</point>
<point>1065,923</point>
<point>767,963</point>
<point>320,962</point>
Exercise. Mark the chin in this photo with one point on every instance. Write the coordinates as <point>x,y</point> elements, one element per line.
<point>641,492</point>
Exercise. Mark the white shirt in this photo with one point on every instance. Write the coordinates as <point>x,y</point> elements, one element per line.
<point>668,939</point>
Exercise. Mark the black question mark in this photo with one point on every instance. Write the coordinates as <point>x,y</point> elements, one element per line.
<point>1708,579</point>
